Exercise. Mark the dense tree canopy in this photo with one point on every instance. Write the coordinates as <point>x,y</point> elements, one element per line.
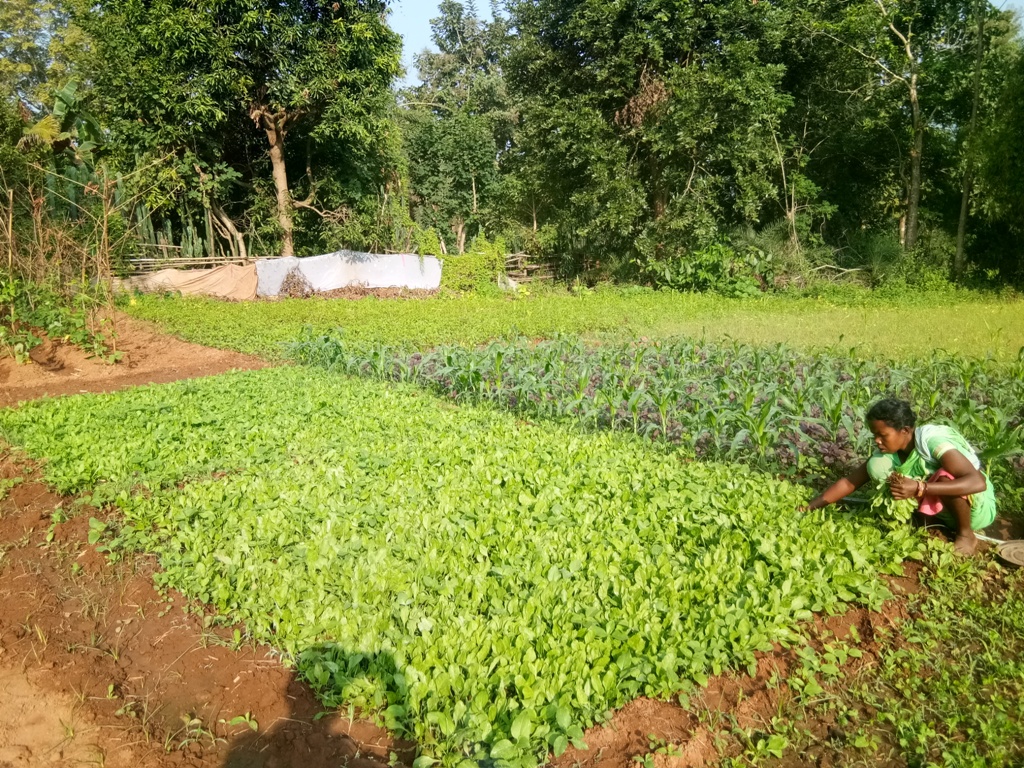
<point>457,124</point>
<point>669,125</point>
<point>200,82</point>
<point>671,141</point>
<point>681,97</point>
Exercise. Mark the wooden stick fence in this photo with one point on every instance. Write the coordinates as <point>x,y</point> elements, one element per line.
<point>144,266</point>
<point>523,269</point>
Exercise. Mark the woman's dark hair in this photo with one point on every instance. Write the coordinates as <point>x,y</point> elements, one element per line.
<point>896,413</point>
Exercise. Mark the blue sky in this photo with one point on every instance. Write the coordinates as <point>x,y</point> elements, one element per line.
<point>411,19</point>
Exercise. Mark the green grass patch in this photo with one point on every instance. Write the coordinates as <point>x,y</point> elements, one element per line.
<point>490,588</point>
<point>261,327</point>
<point>950,690</point>
<point>962,323</point>
<point>974,330</point>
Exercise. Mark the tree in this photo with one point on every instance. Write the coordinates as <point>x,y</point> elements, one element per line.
<point>23,48</point>
<point>458,122</point>
<point>912,51</point>
<point>36,45</point>
<point>195,79</point>
<point>1002,155</point>
<point>656,118</point>
<point>984,91</point>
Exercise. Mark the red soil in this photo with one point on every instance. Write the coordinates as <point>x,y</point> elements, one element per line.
<point>133,668</point>
<point>148,357</point>
<point>746,701</point>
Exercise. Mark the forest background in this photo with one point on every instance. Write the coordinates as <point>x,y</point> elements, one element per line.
<point>735,146</point>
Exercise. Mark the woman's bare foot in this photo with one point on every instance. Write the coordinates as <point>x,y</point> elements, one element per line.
<point>966,544</point>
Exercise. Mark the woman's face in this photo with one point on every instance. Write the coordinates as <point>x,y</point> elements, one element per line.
<point>889,439</point>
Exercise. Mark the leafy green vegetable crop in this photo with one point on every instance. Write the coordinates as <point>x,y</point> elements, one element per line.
<point>946,688</point>
<point>490,587</point>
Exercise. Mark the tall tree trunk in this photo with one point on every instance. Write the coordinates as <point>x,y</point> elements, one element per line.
<point>459,230</point>
<point>273,123</point>
<point>914,193</point>
<point>965,200</point>
<point>917,124</point>
<point>788,192</point>
<point>275,135</point>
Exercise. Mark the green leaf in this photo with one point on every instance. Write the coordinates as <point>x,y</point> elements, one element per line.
<point>522,726</point>
<point>96,530</point>
<point>503,750</point>
<point>559,746</point>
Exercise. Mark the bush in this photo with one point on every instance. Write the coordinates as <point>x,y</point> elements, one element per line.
<point>427,241</point>
<point>27,311</point>
<point>477,269</point>
<point>718,267</point>
<point>894,269</point>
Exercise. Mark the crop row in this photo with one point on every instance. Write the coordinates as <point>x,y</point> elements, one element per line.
<point>774,408</point>
<point>490,588</point>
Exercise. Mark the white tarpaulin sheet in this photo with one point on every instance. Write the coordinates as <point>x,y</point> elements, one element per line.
<point>350,268</point>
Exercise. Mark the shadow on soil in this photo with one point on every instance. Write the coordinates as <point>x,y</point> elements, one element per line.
<point>310,737</point>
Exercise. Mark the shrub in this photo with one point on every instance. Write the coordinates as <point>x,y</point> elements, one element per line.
<point>895,270</point>
<point>28,311</point>
<point>477,269</point>
<point>718,267</point>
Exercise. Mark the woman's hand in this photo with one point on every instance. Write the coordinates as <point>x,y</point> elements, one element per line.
<point>902,487</point>
<point>838,490</point>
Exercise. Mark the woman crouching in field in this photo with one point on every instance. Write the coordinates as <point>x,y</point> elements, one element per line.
<point>933,464</point>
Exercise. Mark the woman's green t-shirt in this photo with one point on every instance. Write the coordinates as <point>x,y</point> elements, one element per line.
<point>931,442</point>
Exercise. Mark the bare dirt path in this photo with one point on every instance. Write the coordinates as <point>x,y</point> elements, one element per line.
<point>148,357</point>
<point>39,727</point>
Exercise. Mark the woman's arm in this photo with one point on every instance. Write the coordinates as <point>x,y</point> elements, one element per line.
<point>841,488</point>
<point>966,480</point>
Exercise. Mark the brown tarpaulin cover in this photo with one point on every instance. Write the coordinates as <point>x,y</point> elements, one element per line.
<point>229,281</point>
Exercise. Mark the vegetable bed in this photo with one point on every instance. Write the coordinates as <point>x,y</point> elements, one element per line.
<point>489,587</point>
